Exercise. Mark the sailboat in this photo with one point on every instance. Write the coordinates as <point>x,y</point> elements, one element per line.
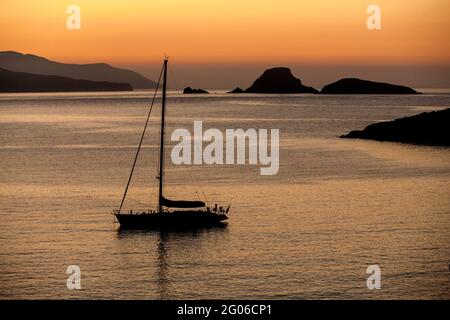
<point>170,213</point>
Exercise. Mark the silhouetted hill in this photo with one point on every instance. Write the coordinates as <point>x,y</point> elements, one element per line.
<point>358,86</point>
<point>189,90</point>
<point>29,63</point>
<point>236,90</point>
<point>431,128</point>
<point>279,80</point>
<point>11,81</point>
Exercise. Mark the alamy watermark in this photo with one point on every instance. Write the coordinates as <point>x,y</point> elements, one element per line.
<point>233,140</point>
<point>74,279</point>
<point>73,22</point>
<point>374,279</point>
<point>374,20</point>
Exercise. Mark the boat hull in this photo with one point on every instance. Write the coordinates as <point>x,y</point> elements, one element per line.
<point>176,219</point>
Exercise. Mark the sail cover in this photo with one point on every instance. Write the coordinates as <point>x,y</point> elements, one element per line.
<point>181,203</point>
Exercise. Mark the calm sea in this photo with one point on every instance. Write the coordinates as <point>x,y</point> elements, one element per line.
<point>335,207</point>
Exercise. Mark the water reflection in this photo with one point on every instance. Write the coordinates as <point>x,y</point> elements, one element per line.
<point>172,243</point>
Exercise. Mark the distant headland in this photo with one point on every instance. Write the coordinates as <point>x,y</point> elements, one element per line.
<point>11,81</point>
<point>427,128</point>
<point>100,72</point>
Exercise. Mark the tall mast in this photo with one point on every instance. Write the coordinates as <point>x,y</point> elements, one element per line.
<point>161,145</point>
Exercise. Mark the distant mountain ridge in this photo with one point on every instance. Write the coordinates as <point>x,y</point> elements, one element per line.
<point>12,81</point>
<point>29,63</point>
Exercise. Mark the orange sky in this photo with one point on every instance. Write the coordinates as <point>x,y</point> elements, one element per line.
<point>230,31</point>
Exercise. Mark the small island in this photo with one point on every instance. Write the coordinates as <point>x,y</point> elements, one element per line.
<point>11,81</point>
<point>279,80</point>
<point>189,90</point>
<point>236,90</point>
<point>427,128</point>
<point>358,86</point>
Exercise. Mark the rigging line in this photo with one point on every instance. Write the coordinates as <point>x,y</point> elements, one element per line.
<point>140,142</point>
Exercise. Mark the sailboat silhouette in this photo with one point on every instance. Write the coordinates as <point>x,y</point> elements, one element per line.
<point>188,213</point>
